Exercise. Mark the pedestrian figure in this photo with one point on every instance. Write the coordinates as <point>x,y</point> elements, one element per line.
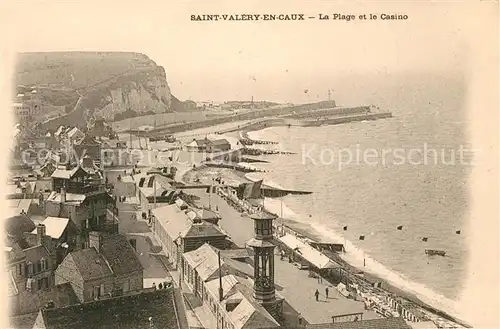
<point>326,292</point>
<point>160,286</point>
<point>154,286</point>
<point>317,295</point>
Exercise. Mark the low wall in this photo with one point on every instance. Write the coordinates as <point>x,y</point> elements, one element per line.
<point>247,116</point>
<point>332,111</point>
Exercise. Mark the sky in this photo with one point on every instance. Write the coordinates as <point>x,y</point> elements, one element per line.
<point>237,60</point>
<point>278,61</point>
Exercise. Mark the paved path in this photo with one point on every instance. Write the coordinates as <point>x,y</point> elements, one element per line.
<point>131,225</point>
<point>240,228</point>
<point>300,297</point>
<point>155,264</point>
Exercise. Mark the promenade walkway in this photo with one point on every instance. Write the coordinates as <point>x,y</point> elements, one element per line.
<point>299,296</point>
<point>155,265</point>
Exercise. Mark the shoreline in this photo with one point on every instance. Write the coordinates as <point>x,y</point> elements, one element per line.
<point>372,277</point>
<point>308,232</point>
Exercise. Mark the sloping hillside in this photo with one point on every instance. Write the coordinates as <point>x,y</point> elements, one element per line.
<point>112,85</point>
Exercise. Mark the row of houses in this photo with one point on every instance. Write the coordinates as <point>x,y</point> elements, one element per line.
<point>64,245</point>
<point>27,105</point>
<point>66,145</point>
<point>101,149</point>
<point>226,280</point>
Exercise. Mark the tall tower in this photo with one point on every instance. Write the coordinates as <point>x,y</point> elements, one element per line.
<point>263,289</point>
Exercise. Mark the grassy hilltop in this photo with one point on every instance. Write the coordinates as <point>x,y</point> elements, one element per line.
<point>112,85</point>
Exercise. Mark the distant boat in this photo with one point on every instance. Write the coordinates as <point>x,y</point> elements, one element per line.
<point>432,252</point>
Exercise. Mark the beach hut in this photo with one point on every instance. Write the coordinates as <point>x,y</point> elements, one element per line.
<point>316,261</point>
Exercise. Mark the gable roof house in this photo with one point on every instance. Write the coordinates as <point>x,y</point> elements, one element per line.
<point>219,145</point>
<point>110,267</point>
<point>61,132</point>
<point>75,134</point>
<point>198,145</point>
<point>92,211</point>
<point>63,233</point>
<point>151,187</point>
<point>237,306</point>
<point>178,232</point>
<point>30,264</point>
<point>88,146</point>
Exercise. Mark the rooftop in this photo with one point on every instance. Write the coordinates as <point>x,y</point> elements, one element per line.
<point>89,263</point>
<point>73,132</point>
<point>120,255</point>
<point>245,311</point>
<point>220,142</point>
<point>116,257</point>
<point>383,323</point>
<point>17,225</point>
<point>176,222</point>
<point>68,173</point>
<point>54,226</point>
<point>16,206</point>
<point>126,312</point>
<point>71,198</point>
<point>203,260</point>
<point>145,182</point>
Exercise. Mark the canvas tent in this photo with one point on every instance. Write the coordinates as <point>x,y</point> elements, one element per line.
<point>313,256</point>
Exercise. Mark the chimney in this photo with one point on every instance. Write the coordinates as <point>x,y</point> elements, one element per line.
<point>95,240</point>
<point>63,195</point>
<point>40,234</point>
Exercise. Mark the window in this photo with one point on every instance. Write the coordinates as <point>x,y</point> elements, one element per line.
<point>29,285</point>
<point>43,264</point>
<point>151,181</point>
<point>97,291</point>
<point>29,266</point>
<point>20,269</point>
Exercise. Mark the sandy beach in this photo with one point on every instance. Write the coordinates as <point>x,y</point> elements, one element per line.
<point>232,177</point>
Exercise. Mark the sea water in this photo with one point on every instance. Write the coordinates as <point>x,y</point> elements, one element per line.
<point>372,198</point>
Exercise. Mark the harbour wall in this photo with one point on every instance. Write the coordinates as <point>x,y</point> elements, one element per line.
<point>246,116</point>
<point>281,122</point>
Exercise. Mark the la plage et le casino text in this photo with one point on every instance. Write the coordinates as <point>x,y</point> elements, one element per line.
<point>297,17</point>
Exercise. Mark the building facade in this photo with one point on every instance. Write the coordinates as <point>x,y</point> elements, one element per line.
<point>224,290</point>
<point>180,232</point>
<point>109,267</point>
<point>30,267</point>
<point>22,111</point>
